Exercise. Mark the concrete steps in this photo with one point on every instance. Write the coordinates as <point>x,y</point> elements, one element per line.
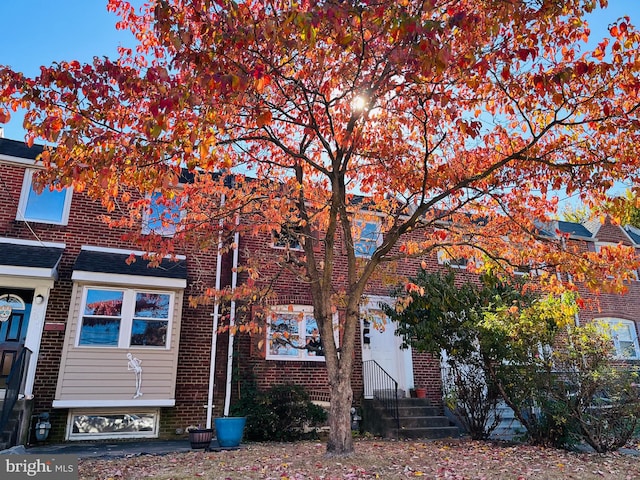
<point>418,419</point>
<point>509,427</point>
<point>16,429</point>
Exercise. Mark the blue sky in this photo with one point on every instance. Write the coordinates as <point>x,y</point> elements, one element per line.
<point>39,32</point>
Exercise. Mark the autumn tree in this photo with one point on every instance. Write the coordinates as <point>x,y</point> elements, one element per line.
<point>454,119</point>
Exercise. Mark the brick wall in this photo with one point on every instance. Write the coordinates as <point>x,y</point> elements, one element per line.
<point>85,228</point>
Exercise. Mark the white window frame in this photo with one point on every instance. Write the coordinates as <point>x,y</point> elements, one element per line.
<point>127,317</point>
<point>303,311</point>
<point>445,259</point>
<point>274,239</point>
<point>358,222</point>
<point>610,324</point>
<point>168,230</point>
<point>598,247</point>
<point>27,189</point>
<point>155,413</point>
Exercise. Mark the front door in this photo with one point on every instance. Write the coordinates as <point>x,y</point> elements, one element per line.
<point>382,345</point>
<point>13,327</point>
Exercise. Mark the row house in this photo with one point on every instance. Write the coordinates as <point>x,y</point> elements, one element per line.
<point>111,348</point>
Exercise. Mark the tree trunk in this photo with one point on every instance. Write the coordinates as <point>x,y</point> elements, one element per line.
<point>340,441</point>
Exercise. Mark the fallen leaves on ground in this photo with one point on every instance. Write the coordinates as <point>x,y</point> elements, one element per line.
<point>373,459</point>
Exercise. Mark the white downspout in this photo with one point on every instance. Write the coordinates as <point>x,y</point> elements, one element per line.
<point>214,333</point>
<point>232,318</point>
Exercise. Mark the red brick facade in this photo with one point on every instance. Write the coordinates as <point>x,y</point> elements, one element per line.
<point>192,384</point>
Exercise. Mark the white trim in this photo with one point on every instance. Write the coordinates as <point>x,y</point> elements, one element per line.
<point>34,333</point>
<point>69,435</point>
<point>7,296</point>
<point>36,322</point>
<point>121,279</point>
<point>403,358</point>
<point>33,243</point>
<point>24,198</point>
<point>167,402</point>
<point>121,251</point>
<point>17,160</point>
<point>296,310</point>
<point>377,221</point>
<point>611,324</point>
<point>598,247</point>
<point>34,272</point>
<point>445,259</point>
<point>288,247</point>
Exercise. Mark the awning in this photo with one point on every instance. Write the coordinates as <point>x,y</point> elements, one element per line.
<point>26,260</point>
<point>110,267</point>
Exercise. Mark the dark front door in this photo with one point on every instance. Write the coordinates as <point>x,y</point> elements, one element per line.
<point>13,330</point>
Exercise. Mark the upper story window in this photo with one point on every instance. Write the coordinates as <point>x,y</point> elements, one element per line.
<point>162,216</point>
<point>289,238</point>
<point>604,246</point>
<point>293,334</point>
<point>366,237</point>
<point>624,336</point>
<point>124,318</point>
<point>49,206</point>
<point>445,259</point>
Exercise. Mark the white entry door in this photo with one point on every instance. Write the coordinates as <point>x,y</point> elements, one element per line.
<point>382,345</point>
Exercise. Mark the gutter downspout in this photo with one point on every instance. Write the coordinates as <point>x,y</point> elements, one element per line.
<point>232,318</point>
<point>214,333</point>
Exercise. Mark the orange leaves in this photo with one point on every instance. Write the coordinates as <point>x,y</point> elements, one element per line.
<point>264,118</point>
<point>262,83</point>
<point>5,116</point>
<point>619,31</point>
<point>411,287</point>
<point>505,74</point>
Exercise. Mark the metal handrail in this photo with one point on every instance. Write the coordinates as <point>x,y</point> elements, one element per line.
<point>15,385</point>
<point>383,387</point>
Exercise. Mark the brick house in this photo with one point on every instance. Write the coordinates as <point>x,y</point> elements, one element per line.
<point>58,260</point>
<point>117,351</point>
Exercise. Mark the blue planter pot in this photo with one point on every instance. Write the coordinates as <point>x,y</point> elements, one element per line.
<point>229,430</point>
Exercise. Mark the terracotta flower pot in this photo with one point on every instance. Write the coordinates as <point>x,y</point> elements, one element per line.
<point>421,392</point>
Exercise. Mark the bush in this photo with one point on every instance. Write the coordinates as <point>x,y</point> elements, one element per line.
<point>471,398</point>
<point>282,413</point>
<point>602,399</point>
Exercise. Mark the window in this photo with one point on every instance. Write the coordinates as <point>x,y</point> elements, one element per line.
<point>124,318</point>
<point>162,216</point>
<point>289,238</point>
<point>92,424</point>
<point>366,237</point>
<point>602,247</point>
<point>292,334</point>
<point>46,207</point>
<point>623,334</point>
<point>445,259</point>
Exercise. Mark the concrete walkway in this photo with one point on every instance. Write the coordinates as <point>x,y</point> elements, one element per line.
<point>108,449</point>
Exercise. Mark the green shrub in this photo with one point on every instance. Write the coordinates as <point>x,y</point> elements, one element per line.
<point>282,413</point>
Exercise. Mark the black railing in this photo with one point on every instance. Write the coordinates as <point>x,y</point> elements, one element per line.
<point>15,385</point>
<point>378,384</point>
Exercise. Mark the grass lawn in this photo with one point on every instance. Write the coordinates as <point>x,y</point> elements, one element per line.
<point>457,460</point>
